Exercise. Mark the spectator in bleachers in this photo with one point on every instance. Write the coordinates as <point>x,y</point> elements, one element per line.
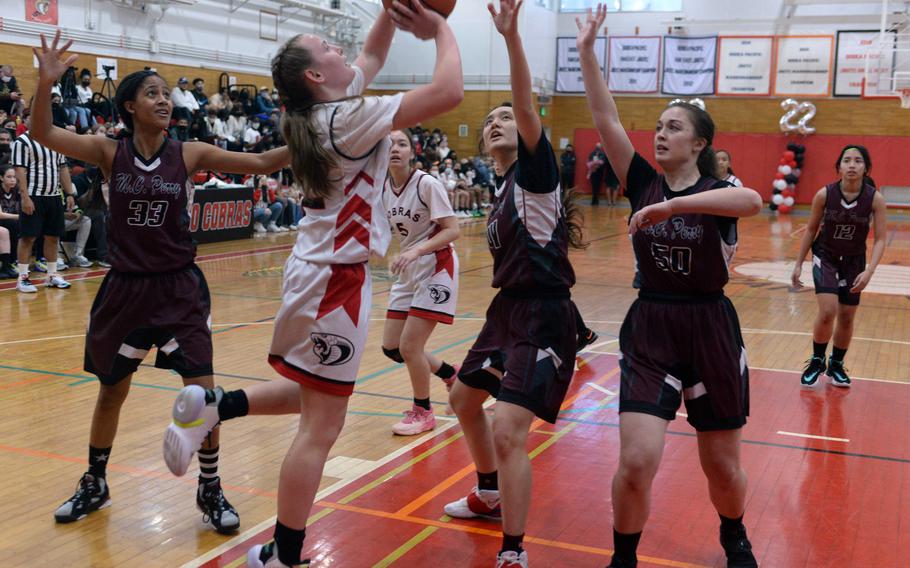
<point>59,114</point>
<point>99,130</point>
<point>219,100</point>
<point>100,107</point>
<point>75,220</point>
<point>6,142</point>
<point>265,214</point>
<point>252,137</point>
<point>10,95</point>
<point>264,103</point>
<point>91,188</point>
<point>199,93</point>
<point>217,133</point>
<point>247,103</point>
<point>185,104</point>
<point>181,130</point>
<point>9,221</point>
<point>84,119</point>
<point>235,125</point>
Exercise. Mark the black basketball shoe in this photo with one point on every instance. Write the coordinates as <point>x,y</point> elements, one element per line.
<point>738,548</point>
<point>91,494</point>
<point>838,373</point>
<point>814,369</point>
<point>585,337</point>
<point>215,508</point>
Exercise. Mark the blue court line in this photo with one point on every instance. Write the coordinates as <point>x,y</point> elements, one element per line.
<point>84,377</point>
<point>270,318</point>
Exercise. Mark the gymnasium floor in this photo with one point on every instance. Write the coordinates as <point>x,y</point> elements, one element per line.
<point>828,468</point>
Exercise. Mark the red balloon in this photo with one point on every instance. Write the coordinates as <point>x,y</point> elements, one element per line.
<point>787,193</point>
<point>791,164</point>
<point>784,208</point>
<point>789,155</point>
<point>778,175</point>
<point>784,161</point>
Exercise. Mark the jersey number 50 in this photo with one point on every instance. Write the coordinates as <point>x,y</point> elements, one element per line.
<point>672,259</point>
<point>149,213</point>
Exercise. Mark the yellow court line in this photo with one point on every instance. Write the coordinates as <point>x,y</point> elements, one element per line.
<point>405,548</point>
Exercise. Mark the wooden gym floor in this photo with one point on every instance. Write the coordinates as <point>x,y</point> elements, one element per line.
<point>828,468</point>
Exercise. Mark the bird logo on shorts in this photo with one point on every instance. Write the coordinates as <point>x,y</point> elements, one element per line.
<point>332,349</point>
<point>439,293</point>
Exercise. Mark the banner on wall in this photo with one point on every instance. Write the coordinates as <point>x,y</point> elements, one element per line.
<point>803,66</point>
<point>850,62</point>
<point>689,65</point>
<point>634,62</point>
<point>41,11</point>
<point>568,66</point>
<point>744,65</point>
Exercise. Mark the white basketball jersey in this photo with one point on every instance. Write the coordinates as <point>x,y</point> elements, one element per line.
<point>345,227</point>
<point>413,209</point>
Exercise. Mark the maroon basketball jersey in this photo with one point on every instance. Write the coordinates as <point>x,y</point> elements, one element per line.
<point>688,253</point>
<point>149,201</point>
<point>845,226</point>
<point>526,230</point>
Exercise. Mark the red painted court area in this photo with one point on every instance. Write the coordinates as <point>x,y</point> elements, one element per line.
<point>811,503</point>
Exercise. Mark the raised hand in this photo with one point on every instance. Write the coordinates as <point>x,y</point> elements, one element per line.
<point>506,21</point>
<point>417,19</point>
<point>50,67</point>
<point>587,30</point>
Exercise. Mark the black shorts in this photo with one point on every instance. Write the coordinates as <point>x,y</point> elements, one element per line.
<point>835,274</point>
<point>132,312</point>
<point>525,353</point>
<point>692,351</point>
<point>46,220</point>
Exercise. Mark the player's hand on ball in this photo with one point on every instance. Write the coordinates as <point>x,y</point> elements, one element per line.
<point>506,20</point>
<point>587,30</point>
<point>417,19</point>
<point>650,216</point>
<point>50,68</point>
<point>861,282</point>
<point>794,277</point>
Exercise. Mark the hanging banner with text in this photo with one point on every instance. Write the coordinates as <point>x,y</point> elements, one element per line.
<point>853,49</point>
<point>689,65</point>
<point>568,66</point>
<point>744,65</point>
<point>803,66</point>
<point>634,62</point>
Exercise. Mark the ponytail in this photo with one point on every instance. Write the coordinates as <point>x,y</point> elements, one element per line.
<point>707,162</point>
<point>574,219</point>
<point>311,163</point>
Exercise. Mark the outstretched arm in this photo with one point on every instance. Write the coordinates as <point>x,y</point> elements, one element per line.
<point>526,119</point>
<point>732,202</point>
<point>376,47</point>
<point>616,143</point>
<point>202,156</point>
<point>97,150</point>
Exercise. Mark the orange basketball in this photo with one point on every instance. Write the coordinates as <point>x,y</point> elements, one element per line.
<point>444,7</point>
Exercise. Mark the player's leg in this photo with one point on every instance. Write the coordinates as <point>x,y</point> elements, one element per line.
<point>414,336</point>
<point>843,333</point>
<point>510,435</point>
<point>822,330</point>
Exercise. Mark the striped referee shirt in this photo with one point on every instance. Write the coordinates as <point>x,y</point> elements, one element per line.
<point>42,166</point>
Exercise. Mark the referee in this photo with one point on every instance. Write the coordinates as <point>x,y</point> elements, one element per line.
<point>39,173</point>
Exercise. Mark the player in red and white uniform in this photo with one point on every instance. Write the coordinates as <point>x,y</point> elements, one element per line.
<point>339,143</point>
<point>420,215</point>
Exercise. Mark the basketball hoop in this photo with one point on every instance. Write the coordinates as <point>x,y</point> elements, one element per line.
<point>905,98</point>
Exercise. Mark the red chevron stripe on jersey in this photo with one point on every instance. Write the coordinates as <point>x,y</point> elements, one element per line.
<point>361,176</point>
<point>343,290</point>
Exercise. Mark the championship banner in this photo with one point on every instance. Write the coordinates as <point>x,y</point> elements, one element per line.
<point>803,66</point>
<point>222,214</point>
<point>634,62</point>
<point>850,66</point>
<point>689,65</point>
<point>568,66</point>
<point>744,65</point>
<point>41,11</point>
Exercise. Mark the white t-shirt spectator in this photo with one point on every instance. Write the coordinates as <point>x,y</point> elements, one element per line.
<point>251,137</point>
<point>85,94</point>
<point>216,127</point>
<point>236,126</point>
<point>183,99</point>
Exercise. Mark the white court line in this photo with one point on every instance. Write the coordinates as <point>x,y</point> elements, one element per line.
<point>41,339</point>
<point>792,372</point>
<point>601,344</point>
<point>249,533</point>
<point>604,390</point>
<point>806,333</point>
<point>812,436</point>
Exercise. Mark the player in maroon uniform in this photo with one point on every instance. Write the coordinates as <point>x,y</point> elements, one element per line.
<point>681,338</point>
<point>845,210</point>
<point>525,353</point>
<point>154,293</point>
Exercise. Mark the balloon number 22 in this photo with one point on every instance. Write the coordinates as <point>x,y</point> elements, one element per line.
<point>805,112</point>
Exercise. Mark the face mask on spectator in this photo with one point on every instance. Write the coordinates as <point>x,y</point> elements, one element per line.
<point>4,147</point>
<point>6,78</point>
<point>255,125</point>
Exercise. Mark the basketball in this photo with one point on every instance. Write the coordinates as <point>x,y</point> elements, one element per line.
<point>444,7</point>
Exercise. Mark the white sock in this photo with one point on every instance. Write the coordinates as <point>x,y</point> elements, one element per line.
<point>51,268</point>
<point>23,270</point>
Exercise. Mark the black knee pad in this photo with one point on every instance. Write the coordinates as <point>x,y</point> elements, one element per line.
<point>393,354</point>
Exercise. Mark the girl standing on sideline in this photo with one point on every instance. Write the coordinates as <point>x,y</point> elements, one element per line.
<point>842,213</point>
<point>420,215</point>
<point>525,353</point>
<point>339,143</point>
<point>154,293</point>
<point>681,338</point>
<point>725,170</point>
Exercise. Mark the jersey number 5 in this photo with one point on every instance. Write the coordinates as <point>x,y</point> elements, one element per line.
<point>672,259</point>
<point>150,213</point>
<point>401,229</point>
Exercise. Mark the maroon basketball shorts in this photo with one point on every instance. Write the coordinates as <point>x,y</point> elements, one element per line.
<point>133,312</point>
<point>834,274</point>
<point>525,353</point>
<point>685,351</point>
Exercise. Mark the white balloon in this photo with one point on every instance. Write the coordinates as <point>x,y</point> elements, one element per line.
<point>779,184</point>
<point>777,199</point>
<point>797,172</point>
<point>785,169</point>
<point>791,107</point>
<point>791,187</point>
<point>788,201</point>
<point>808,110</point>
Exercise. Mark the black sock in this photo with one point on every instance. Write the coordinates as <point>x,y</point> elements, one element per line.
<point>626,545</point>
<point>512,542</point>
<point>446,371</point>
<point>233,405</point>
<point>97,461</point>
<point>290,543</point>
<point>488,481</point>
<point>838,354</point>
<point>423,403</point>
<point>728,525</point>
<point>818,349</point>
